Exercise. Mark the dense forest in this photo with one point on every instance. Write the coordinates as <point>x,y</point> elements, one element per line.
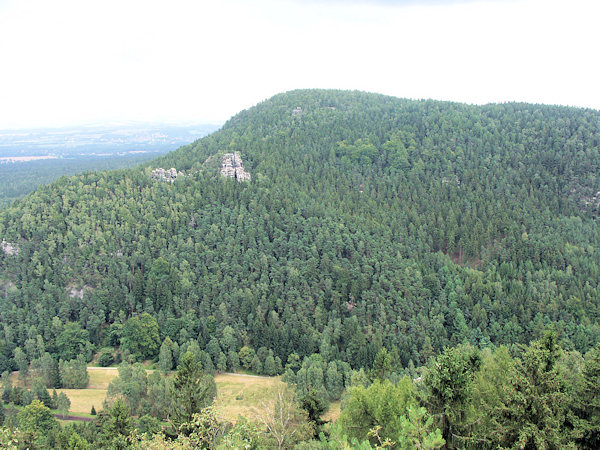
<point>374,229</point>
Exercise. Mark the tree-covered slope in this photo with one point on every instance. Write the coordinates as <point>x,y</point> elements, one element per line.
<point>369,221</point>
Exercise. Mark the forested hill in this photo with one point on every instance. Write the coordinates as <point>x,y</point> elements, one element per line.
<point>368,221</point>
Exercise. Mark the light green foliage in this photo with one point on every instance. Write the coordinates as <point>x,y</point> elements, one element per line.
<point>22,363</point>
<point>46,367</point>
<point>243,435</point>
<point>357,378</point>
<point>492,386</point>
<point>63,403</point>
<point>222,362</point>
<point>233,361</point>
<point>73,374</point>
<point>382,404</point>
<point>5,385</point>
<point>285,422</point>
<point>203,430</point>
<point>417,430</point>
<point>338,439</point>
<point>256,365</point>
<point>9,438</point>
<point>312,376</point>
<point>165,357</point>
<point>76,442</point>
<point>334,381</point>
<point>37,421</point>
<point>246,355</point>
<point>269,366</point>
<point>41,393</point>
<point>142,393</point>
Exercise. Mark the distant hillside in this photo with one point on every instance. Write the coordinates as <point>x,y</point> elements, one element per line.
<point>368,221</point>
<point>30,158</point>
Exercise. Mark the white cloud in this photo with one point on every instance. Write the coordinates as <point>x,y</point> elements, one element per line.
<point>72,61</point>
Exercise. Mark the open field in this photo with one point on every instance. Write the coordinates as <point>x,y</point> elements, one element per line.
<point>100,377</point>
<point>237,394</point>
<point>82,400</point>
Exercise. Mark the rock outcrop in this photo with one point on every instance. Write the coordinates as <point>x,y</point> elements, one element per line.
<point>8,248</point>
<point>233,166</point>
<point>166,175</point>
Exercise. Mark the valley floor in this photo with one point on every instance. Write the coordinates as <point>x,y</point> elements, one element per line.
<point>238,394</point>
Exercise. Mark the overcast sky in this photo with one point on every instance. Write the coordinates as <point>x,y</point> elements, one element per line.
<point>66,62</point>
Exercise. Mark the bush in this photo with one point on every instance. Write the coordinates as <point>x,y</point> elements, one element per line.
<point>106,357</point>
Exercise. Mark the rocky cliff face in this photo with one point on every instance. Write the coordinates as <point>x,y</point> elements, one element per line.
<point>233,166</point>
<point>166,175</point>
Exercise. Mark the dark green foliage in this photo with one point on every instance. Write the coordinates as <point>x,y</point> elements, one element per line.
<point>93,411</point>
<point>106,357</point>
<point>41,393</point>
<point>370,222</point>
<point>315,407</point>
<point>71,342</point>
<point>117,425</point>
<point>140,337</point>
<point>449,383</point>
<point>20,179</point>
<point>148,424</point>
<point>366,216</point>
<point>587,403</point>
<point>535,416</point>
<point>192,391</point>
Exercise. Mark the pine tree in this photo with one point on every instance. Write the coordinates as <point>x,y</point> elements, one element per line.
<point>192,391</point>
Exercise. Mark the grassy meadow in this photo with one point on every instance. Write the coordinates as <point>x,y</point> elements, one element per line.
<point>237,394</point>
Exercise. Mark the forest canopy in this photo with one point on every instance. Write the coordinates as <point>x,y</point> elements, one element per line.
<point>370,222</point>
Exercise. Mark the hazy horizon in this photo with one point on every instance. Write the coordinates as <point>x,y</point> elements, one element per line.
<point>71,63</point>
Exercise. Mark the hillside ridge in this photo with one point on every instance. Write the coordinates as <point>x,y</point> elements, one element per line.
<point>368,221</point>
